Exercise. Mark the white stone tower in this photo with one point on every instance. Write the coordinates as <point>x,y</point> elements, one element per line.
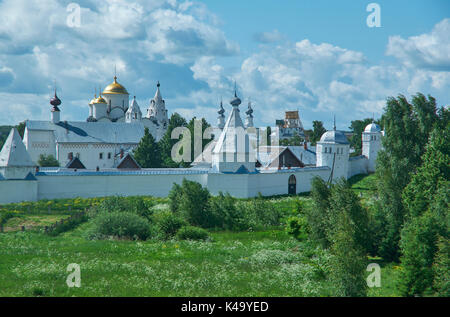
<point>157,109</point>
<point>371,144</point>
<point>333,151</point>
<point>233,152</point>
<point>133,113</point>
<point>15,161</point>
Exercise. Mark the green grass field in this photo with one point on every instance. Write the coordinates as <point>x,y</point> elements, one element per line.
<point>261,263</point>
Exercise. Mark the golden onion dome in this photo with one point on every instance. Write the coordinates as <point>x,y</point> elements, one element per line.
<point>115,88</point>
<point>100,99</point>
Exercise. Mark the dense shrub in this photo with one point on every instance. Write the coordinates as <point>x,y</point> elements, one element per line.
<point>259,213</point>
<point>135,205</point>
<point>190,200</point>
<point>297,227</point>
<point>121,225</point>
<point>192,233</point>
<point>225,214</point>
<point>168,224</point>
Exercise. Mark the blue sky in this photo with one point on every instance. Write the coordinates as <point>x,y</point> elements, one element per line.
<point>319,57</point>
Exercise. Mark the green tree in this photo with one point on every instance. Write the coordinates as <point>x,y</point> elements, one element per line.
<point>192,204</point>
<point>166,143</point>
<point>357,127</point>
<point>441,268</point>
<point>407,126</point>
<point>420,192</point>
<point>204,142</point>
<point>147,153</point>
<point>295,140</point>
<point>47,161</point>
<point>21,128</point>
<point>343,200</point>
<point>419,246</point>
<point>318,216</point>
<point>348,262</point>
<point>318,131</point>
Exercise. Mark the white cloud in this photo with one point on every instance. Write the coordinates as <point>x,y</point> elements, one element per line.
<point>428,51</point>
<point>321,80</point>
<point>145,40</point>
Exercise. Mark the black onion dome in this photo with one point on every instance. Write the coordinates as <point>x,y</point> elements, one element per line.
<point>55,101</point>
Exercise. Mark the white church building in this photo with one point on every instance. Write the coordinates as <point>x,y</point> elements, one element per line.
<point>114,124</point>
<point>232,163</point>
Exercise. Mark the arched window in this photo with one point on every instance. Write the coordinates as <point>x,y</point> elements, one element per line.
<point>292,180</point>
<point>292,185</point>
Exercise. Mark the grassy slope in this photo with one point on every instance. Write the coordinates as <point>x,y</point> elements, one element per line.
<point>267,263</point>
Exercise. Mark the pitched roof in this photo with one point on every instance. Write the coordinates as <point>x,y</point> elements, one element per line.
<point>14,152</point>
<point>91,132</point>
<point>75,163</point>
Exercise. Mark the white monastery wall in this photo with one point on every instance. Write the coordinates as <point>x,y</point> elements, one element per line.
<point>70,186</point>
<point>14,191</point>
<point>357,165</point>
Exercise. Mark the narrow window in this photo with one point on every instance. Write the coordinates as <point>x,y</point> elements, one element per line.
<point>109,155</point>
<point>100,156</point>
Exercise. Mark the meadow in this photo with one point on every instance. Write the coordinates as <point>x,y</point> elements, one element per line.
<point>255,262</point>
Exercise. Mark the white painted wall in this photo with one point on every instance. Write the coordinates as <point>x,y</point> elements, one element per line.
<point>51,187</point>
<point>14,191</point>
<point>357,165</point>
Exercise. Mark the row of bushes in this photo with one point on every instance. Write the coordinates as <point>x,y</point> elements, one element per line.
<point>134,218</point>
<point>193,203</point>
<point>191,210</point>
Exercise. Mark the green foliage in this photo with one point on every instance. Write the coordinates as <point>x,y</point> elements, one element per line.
<point>166,143</point>
<point>297,227</point>
<point>168,224</point>
<point>5,216</point>
<point>120,225</point>
<point>226,215</point>
<point>174,196</point>
<point>47,161</point>
<point>191,126</point>
<point>147,153</point>
<point>68,224</point>
<point>343,200</point>
<point>318,216</point>
<point>192,204</point>
<point>441,267</point>
<point>419,245</point>
<point>318,130</point>
<point>259,213</point>
<point>295,140</point>
<point>348,262</point>
<point>357,127</point>
<point>407,128</point>
<point>192,233</point>
<point>420,192</point>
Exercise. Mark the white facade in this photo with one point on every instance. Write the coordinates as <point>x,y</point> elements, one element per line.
<point>112,125</point>
<point>231,167</point>
<point>371,144</point>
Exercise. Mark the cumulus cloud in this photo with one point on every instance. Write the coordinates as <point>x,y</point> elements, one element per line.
<point>427,51</point>
<point>181,44</point>
<point>144,40</point>
<point>321,80</point>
